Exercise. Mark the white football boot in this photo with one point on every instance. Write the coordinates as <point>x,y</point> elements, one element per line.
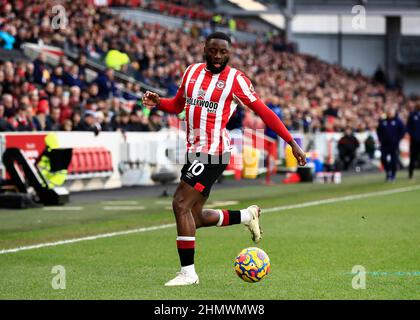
<point>182,279</point>
<point>254,225</point>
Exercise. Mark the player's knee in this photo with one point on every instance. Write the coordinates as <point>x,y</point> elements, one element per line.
<point>180,205</point>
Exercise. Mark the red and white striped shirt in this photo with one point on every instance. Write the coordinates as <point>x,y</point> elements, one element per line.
<point>209,101</point>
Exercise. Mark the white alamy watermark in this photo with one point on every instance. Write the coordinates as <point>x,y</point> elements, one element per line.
<point>243,142</point>
<point>358,21</point>
<point>359,280</point>
<point>59,280</point>
<point>59,21</point>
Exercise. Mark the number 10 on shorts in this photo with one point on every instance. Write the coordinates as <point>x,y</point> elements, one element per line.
<point>196,168</point>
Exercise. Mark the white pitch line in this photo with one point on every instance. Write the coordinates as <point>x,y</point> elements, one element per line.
<point>164,202</point>
<point>62,208</point>
<point>119,202</point>
<point>164,226</point>
<point>94,237</point>
<point>122,208</point>
<point>339,199</point>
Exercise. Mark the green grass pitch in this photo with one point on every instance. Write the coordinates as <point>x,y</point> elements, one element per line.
<point>312,249</point>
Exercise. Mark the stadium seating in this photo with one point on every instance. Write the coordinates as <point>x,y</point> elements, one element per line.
<point>181,11</point>
<point>90,162</point>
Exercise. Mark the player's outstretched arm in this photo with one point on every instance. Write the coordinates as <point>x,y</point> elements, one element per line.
<point>272,121</point>
<point>244,92</point>
<point>172,105</point>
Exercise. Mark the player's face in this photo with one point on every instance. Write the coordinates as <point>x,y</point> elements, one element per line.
<point>216,53</point>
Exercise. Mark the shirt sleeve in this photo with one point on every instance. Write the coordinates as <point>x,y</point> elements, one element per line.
<point>244,92</point>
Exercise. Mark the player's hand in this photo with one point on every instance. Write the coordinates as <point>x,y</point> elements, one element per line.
<point>150,99</point>
<point>298,153</point>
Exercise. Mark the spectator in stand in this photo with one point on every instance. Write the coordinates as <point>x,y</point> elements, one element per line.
<point>88,123</point>
<point>57,76</point>
<point>4,124</point>
<point>82,65</point>
<point>73,78</point>
<point>33,121</point>
<point>76,119</point>
<point>34,98</point>
<point>103,120</point>
<point>216,20</point>
<point>29,72</point>
<point>136,121</point>
<point>41,71</point>
<point>54,102</point>
<point>52,122</point>
<point>66,108</point>
<point>21,121</point>
<point>131,91</point>
<point>347,147</point>
<point>106,84</point>
<point>93,92</point>
<point>231,24</point>
<point>155,120</point>
<point>58,91</point>
<point>42,111</point>
<point>332,110</point>
<point>75,96</point>
<point>50,89</point>
<point>121,121</point>
<point>67,125</point>
<point>370,146</point>
<point>6,38</point>
<point>9,108</point>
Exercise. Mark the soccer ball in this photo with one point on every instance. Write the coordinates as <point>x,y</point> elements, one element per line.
<point>252,264</point>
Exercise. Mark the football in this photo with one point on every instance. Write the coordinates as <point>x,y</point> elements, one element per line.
<point>252,264</point>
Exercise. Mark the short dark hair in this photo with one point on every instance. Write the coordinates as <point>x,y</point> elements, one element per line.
<point>218,35</point>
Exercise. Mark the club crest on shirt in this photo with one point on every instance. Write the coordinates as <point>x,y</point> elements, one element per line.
<point>251,87</point>
<point>220,84</point>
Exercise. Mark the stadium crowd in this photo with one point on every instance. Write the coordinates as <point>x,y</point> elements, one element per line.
<point>35,97</point>
<point>308,94</point>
